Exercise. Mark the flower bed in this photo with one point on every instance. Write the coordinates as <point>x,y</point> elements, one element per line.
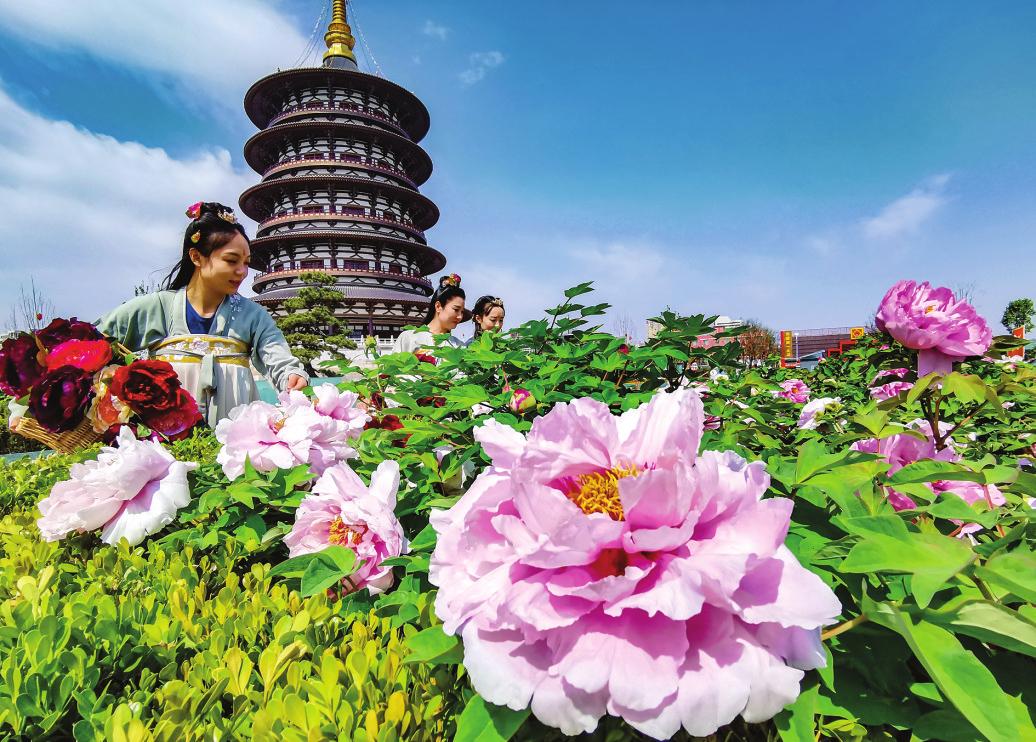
<point>548,534</point>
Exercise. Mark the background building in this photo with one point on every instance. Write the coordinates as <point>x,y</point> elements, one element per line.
<point>341,166</point>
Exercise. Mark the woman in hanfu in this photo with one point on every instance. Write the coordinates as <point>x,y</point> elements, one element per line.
<point>445,311</point>
<point>202,326</point>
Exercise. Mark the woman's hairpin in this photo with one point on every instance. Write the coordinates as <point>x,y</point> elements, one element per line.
<point>196,237</point>
<point>451,280</point>
<point>228,216</point>
<point>194,210</point>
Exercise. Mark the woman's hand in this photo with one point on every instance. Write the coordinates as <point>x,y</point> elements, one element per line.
<point>296,382</point>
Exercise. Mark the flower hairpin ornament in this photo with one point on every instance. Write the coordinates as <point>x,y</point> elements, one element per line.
<point>452,280</point>
<point>194,211</point>
<point>228,216</point>
<point>196,237</point>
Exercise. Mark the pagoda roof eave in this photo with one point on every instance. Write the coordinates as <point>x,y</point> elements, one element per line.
<point>422,162</point>
<point>430,259</point>
<point>413,114</point>
<point>427,213</point>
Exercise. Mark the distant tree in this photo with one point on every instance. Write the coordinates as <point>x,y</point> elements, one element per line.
<point>965,291</point>
<point>758,343</point>
<point>623,326</point>
<point>148,286</point>
<point>31,310</point>
<point>312,328</point>
<point>1019,314</point>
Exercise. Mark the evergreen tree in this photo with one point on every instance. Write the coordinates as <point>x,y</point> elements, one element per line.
<point>312,328</point>
<point>1018,314</point>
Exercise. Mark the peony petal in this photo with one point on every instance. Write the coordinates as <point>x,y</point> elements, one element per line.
<point>575,437</point>
<point>781,591</point>
<point>665,431</point>
<point>502,443</point>
<point>504,668</point>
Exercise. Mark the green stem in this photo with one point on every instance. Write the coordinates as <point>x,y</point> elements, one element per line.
<point>843,627</point>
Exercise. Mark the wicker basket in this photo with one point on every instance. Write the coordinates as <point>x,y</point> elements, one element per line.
<point>81,436</point>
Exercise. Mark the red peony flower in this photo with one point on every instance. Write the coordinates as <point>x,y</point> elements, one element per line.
<point>434,401</point>
<point>387,422</point>
<point>624,349</point>
<point>148,387</point>
<point>60,330</point>
<point>20,368</point>
<point>426,357</point>
<point>59,400</point>
<point>89,355</point>
<point>177,421</point>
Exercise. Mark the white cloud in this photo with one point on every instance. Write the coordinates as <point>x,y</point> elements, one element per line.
<point>220,46</point>
<point>479,65</point>
<point>435,30</point>
<point>88,216</point>
<point>905,215</point>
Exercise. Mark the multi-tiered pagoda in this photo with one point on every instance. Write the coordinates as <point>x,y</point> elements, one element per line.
<point>340,168</point>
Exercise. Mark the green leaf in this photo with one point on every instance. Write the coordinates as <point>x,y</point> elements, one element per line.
<point>579,290</point>
<point>1014,570</point>
<point>486,722</point>
<point>964,681</point>
<point>434,646</point>
<point>795,722</point>
<point>330,567</point>
<point>929,470</point>
<point>932,559</point>
<point>965,387</point>
<point>989,622</point>
<point>814,458</point>
<point>920,386</point>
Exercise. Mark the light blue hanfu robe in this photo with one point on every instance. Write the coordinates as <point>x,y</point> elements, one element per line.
<point>214,368</point>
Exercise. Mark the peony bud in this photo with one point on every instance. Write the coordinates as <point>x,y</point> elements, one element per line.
<point>371,342</point>
<point>521,401</point>
<point>624,349</point>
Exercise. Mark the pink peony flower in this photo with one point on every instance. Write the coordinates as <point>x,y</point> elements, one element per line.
<point>904,448</point>
<point>252,431</point>
<point>342,510</point>
<point>809,418</point>
<point>295,431</point>
<point>887,391</point>
<point>129,492</point>
<point>933,322</point>
<point>895,373</point>
<point>794,390</point>
<point>602,566</point>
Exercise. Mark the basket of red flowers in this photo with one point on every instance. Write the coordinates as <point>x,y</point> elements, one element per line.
<point>72,387</point>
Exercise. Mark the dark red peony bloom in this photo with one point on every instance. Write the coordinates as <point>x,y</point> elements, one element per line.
<point>435,401</point>
<point>148,387</point>
<point>177,421</point>
<point>20,368</point>
<point>60,330</point>
<point>387,422</point>
<point>425,357</point>
<point>624,349</point>
<point>60,399</point>
<point>89,355</point>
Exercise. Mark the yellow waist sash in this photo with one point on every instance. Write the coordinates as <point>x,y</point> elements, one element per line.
<point>208,350</point>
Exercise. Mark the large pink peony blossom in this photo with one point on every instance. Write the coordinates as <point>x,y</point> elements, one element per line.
<point>129,492</point>
<point>903,448</point>
<point>933,322</point>
<point>813,411</point>
<point>295,431</point>
<point>794,390</point>
<point>342,510</point>
<point>602,566</point>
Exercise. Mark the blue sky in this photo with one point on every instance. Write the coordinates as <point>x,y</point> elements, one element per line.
<point>779,161</point>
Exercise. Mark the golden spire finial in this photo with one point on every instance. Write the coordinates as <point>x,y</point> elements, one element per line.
<point>339,37</point>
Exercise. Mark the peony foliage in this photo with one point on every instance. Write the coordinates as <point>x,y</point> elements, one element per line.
<point>551,532</point>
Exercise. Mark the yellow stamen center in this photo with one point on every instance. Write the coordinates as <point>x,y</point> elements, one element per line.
<point>339,532</point>
<point>599,492</point>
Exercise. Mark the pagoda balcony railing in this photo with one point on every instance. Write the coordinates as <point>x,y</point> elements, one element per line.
<point>316,158</point>
<point>414,278</point>
<point>340,106</point>
<point>344,212</point>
